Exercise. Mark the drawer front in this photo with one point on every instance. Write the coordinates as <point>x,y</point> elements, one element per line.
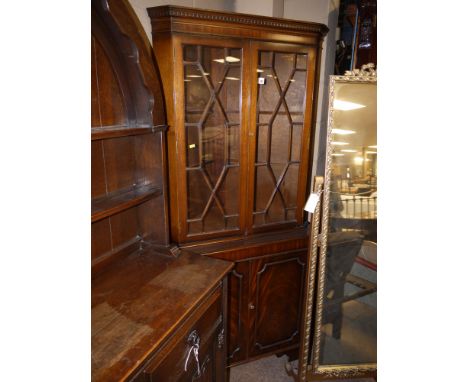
<point>176,361</point>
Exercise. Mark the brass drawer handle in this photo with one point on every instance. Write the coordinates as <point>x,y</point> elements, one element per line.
<point>194,342</point>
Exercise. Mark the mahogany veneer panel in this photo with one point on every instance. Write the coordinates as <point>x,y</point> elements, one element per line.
<point>276,295</point>
<point>139,301</point>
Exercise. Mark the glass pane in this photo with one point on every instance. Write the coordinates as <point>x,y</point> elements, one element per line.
<point>229,188</point>
<point>280,138</point>
<point>280,116</point>
<point>296,142</point>
<point>349,321</point>
<point>198,193</point>
<point>295,96</point>
<point>192,149</point>
<point>212,77</point>
<point>262,139</point>
<point>289,186</point>
<point>284,67</point>
<point>197,93</point>
<point>301,63</point>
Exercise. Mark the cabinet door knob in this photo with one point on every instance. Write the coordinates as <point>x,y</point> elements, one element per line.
<point>251,306</point>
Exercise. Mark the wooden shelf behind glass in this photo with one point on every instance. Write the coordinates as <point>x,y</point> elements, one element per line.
<point>106,206</point>
<point>123,131</point>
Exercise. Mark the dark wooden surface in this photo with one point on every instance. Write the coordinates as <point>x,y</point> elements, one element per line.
<point>208,322</point>
<point>139,301</point>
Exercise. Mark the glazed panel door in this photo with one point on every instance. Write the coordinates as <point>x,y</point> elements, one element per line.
<point>280,133</point>
<point>210,135</point>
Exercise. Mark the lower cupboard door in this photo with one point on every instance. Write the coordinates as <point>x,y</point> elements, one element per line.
<point>276,302</point>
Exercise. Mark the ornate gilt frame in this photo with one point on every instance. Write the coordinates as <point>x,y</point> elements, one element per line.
<point>309,367</point>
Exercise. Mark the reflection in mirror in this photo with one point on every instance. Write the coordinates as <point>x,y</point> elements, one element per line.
<point>349,320</point>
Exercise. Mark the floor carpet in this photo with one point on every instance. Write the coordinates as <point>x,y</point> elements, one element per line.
<point>270,369</point>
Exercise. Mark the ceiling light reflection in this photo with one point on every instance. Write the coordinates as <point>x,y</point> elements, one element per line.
<point>232,59</point>
<point>345,105</point>
<point>343,132</point>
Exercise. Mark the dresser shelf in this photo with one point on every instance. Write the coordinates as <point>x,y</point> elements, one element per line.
<point>104,207</point>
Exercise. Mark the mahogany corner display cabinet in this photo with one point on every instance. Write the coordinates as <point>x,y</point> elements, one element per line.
<point>240,94</point>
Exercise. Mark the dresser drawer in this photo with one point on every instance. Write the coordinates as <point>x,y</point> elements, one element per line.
<point>176,360</point>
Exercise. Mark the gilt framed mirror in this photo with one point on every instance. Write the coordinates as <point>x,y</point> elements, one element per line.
<point>340,323</point>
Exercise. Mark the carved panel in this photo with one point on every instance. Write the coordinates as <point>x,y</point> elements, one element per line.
<point>276,302</point>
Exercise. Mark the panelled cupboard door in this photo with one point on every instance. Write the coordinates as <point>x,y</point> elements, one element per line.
<point>277,285</point>
<point>280,133</point>
<point>210,135</point>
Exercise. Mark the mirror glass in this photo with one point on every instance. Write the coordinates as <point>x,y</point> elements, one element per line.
<point>348,324</point>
